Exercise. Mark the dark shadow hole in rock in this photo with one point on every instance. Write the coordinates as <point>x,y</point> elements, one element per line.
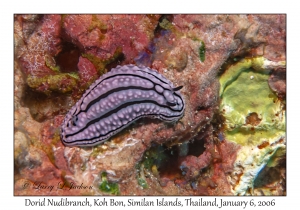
<point>68,58</point>
<point>167,160</point>
<point>117,61</point>
<point>41,106</point>
<point>218,123</point>
<point>158,30</point>
<point>269,175</point>
<point>200,108</point>
<point>196,148</point>
<point>225,66</point>
<point>177,152</point>
<point>231,61</point>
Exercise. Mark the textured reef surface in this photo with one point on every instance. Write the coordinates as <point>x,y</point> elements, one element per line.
<point>230,141</point>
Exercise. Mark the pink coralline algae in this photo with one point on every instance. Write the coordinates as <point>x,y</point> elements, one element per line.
<point>87,71</point>
<point>101,35</point>
<point>44,42</point>
<point>57,57</point>
<point>40,46</point>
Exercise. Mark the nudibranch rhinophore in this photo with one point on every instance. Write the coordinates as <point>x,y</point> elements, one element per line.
<point>117,99</point>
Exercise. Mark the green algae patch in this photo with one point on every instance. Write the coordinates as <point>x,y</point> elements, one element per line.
<point>50,66</point>
<point>143,183</point>
<point>63,83</point>
<point>166,24</point>
<point>100,64</point>
<point>153,159</point>
<point>108,187</point>
<point>154,156</point>
<point>252,111</point>
<point>96,23</point>
<point>254,118</point>
<point>202,51</point>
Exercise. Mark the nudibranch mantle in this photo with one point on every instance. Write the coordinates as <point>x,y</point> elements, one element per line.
<point>117,99</point>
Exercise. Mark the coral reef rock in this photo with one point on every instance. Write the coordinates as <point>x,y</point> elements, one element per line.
<point>231,137</point>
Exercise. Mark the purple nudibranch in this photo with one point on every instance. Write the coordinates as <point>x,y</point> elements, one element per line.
<point>117,99</point>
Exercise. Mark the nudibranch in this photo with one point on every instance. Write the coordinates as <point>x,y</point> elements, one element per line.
<point>117,99</point>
